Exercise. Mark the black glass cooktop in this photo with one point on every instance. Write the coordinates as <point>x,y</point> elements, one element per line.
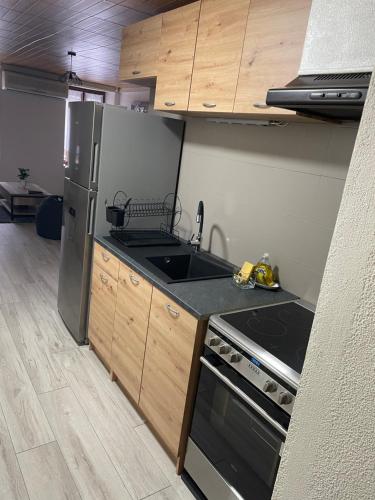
<point>282,330</point>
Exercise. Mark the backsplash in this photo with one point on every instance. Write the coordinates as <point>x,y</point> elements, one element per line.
<point>275,190</point>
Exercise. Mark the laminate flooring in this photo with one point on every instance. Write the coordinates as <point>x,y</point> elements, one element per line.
<point>66,430</point>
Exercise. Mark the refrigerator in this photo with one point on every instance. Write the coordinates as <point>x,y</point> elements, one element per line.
<point>110,148</point>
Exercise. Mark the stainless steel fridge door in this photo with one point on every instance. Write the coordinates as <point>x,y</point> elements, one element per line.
<point>84,143</point>
<point>76,256</point>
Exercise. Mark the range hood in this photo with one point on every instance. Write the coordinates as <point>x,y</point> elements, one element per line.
<point>335,96</point>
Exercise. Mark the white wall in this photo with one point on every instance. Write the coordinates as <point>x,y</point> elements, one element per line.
<point>267,189</point>
<point>330,448</point>
<point>340,37</point>
<point>32,136</point>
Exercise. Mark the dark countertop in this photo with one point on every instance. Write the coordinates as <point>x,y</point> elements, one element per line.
<point>201,298</point>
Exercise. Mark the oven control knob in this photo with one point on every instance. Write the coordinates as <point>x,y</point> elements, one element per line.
<point>225,349</point>
<point>285,398</point>
<point>270,386</point>
<point>215,341</point>
<point>235,358</point>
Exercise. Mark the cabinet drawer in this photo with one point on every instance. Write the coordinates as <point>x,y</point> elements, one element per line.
<point>106,261</point>
<point>130,329</point>
<point>167,367</point>
<point>102,312</point>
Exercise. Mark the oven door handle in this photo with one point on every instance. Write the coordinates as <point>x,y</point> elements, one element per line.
<point>244,397</point>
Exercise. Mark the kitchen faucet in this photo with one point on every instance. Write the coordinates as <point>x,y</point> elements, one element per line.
<point>196,242</point>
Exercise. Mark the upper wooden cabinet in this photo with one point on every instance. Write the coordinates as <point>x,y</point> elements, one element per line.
<point>178,38</point>
<point>272,51</point>
<point>221,33</point>
<point>140,49</point>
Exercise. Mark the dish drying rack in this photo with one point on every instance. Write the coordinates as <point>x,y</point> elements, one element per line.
<point>124,209</point>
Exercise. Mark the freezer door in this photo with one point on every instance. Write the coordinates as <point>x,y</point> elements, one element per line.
<point>84,142</point>
<point>76,256</point>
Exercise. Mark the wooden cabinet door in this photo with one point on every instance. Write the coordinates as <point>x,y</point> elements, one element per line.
<point>168,358</point>
<point>130,329</point>
<point>102,312</point>
<point>140,49</point>
<point>177,48</point>
<point>221,34</point>
<point>272,51</point>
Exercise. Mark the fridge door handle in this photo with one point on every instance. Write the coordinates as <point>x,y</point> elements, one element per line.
<point>90,219</point>
<point>95,164</point>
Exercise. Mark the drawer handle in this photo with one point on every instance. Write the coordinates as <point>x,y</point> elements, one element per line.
<point>169,104</point>
<point>134,280</point>
<point>105,257</point>
<point>103,279</point>
<point>209,105</point>
<point>172,311</point>
<point>261,105</point>
<point>136,72</point>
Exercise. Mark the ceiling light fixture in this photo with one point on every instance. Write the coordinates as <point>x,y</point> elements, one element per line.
<point>70,77</point>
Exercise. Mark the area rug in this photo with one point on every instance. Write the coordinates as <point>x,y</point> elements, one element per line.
<point>5,217</point>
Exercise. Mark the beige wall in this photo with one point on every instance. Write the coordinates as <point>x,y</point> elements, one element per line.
<point>330,448</point>
<point>32,136</point>
<point>267,189</point>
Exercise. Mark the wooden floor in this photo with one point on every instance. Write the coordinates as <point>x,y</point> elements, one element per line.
<point>66,430</point>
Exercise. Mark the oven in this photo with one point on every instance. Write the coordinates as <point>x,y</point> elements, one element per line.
<point>238,432</point>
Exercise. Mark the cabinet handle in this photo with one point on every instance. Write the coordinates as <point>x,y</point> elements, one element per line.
<point>103,279</point>
<point>209,105</point>
<point>134,280</point>
<point>172,311</point>
<point>136,72</point>
<point>169,104</point>
<point>105,257</point>
<point>261,105</point>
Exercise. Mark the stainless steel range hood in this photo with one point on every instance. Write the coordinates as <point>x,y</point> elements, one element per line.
<point>335,96</point>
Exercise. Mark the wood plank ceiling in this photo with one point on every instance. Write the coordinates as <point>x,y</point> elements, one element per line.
<point>39,33</point>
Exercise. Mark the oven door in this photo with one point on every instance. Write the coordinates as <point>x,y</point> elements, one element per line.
<point>238,431</point>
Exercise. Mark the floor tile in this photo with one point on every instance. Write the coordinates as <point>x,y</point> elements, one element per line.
<point>138,469</point>
<point>12,486</point>
<point>27,424</point>
<point>92,470</point>
<point>46,474</point>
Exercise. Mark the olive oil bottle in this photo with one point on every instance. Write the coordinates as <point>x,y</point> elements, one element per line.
<point>263,271</point>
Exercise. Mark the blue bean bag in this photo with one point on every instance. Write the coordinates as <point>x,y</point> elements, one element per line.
<point>48,219</point>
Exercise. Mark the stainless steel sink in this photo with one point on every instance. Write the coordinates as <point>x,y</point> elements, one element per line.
<point>189,267</point>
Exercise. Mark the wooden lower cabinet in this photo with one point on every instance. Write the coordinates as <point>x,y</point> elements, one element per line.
<point>151,345</point>
<point>173,344</point>
<point>130,330</point>
<point>102,312</point>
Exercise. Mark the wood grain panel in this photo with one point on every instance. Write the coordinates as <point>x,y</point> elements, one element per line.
<point>166,372</point>
<point>92,470</point>
<point>12,486</point>
<point>178,38</point>
<point>106,260</point>
<point>140,49</point>
<point>130,329</point>
<point>137,468</point>
<point>92,28</point>
<point>27,424</point>
<point>221,34</point>
<point>102,312</point>
<point>46,474</point>
<point>272,51</point>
